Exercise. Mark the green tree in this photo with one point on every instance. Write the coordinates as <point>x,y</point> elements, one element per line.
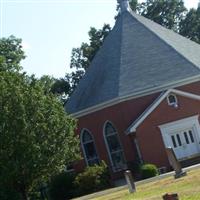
<point>11,54</point>
<point>36,136</point>
<point>61,88</point>
<point>134,5</point>
<point>47,82</point>
<point>80,60</point>
<point>83,56</point>
<point>167,13</point>
<point>190,26</point>
<point>171,14</point>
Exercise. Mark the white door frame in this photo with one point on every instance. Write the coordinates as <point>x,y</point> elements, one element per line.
<point>179,125</point>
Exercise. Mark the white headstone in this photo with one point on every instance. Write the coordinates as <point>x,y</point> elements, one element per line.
<point>130,181</point>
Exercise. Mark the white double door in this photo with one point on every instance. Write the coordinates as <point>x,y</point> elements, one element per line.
<point>184,143</point>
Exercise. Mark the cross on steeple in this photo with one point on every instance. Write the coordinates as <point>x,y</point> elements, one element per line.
<point>124,5</point>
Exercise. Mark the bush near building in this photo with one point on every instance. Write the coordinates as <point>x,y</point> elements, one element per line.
<point>93,179</point>
<point>68,185</point>
<point>148,171</point>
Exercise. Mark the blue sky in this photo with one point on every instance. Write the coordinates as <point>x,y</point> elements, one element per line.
<point>51,28</point>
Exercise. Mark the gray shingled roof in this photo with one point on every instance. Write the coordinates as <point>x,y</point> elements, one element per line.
<point>137,55</point>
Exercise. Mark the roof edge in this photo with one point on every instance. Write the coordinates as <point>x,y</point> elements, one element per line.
<point>132,128</point>
<point>134,96</point>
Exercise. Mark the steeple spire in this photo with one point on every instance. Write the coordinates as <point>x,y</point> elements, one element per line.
<point>124,5</point>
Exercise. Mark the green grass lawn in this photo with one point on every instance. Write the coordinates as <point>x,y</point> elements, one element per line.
<point>188,188</point>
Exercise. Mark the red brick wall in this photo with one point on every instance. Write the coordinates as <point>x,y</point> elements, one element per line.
<point>123,114</point>
<point>191,88</point>
<point>149,135</point>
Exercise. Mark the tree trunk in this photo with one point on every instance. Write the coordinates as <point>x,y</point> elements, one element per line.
<point>23,193</point>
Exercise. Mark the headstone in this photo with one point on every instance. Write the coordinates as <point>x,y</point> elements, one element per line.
<point>170,197</point>
<point>130,181</point>
<point>175,163</point>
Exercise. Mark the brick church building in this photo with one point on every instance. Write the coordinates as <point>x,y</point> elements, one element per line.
<point>140,95</point>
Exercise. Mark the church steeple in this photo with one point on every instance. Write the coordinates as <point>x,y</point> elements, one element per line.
<point>124,5</point>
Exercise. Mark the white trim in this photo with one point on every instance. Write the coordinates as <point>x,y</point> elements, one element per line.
<point>82,144</point>
<point>107,146</point>
<point>145,114</point>
<point>106,142</point>
<point>185,122</point>
<point>170,126</point>
<point>138,150</point>
<point>179,125</point>
<point>145,92</point>
<point>186,94</point>
<point>154,105</point>
<point>172,103</point>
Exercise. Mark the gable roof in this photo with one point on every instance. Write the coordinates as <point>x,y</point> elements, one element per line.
<point>136,57</point>
<point>155,104</point>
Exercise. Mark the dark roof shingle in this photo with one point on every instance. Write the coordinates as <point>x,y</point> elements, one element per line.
<point>137,55</point>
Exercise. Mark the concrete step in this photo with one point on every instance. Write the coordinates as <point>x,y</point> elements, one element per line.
<point>190,162</point>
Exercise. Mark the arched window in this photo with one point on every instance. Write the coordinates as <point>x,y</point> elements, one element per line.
<point>114,147</point>
<point>89,148</point>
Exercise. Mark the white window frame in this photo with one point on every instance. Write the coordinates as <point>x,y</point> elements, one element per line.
<point>172,103</point>
<point>107,146</point>
<point>83,147</point>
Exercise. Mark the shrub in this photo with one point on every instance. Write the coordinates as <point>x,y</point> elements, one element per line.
<point>148,171</point>
<point>134,166</point>
<point>61,186</point>
<point>94,178</point>
<point>8,194</point>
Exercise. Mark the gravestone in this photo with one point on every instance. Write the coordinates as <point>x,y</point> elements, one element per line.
<point>170,197</point>
<point>175,163</point>
<point>130,181</point>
